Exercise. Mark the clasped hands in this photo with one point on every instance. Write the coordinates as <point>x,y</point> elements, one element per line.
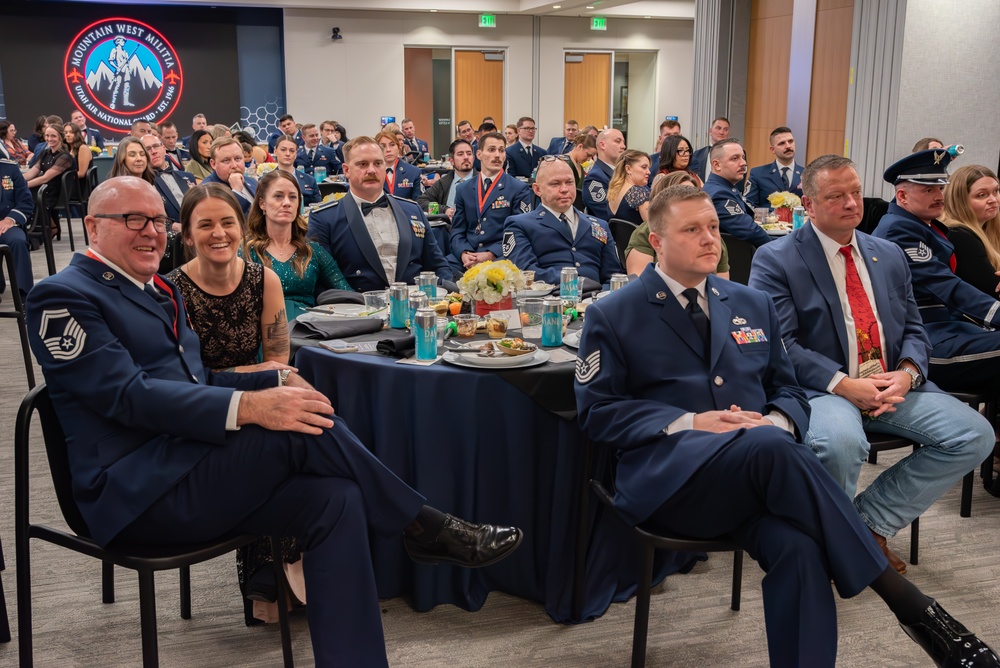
<point>730,420</point>
<point>878,393</point>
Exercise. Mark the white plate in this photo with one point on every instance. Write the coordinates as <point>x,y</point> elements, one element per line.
<point>537,289</point>
<point>505,362</point>
<point>340,310</point>
<point>778,233</point>
<point>572,339</point>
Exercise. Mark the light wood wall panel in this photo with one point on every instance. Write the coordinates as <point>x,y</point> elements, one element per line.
<point>478,88</point>
<point>418,102</point>
<point>830,77</point>
<point>587,92</point>
<point>767,75</point>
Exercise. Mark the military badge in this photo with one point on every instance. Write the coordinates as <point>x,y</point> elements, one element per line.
<point>525,208</point>
<point>921,253</point>
<point>597,191</point>
<point>588,367</point>
<point>500,203</point>
<point>508,243</point>
<point>7,183</point>
<point>62,334</point>
<point>733,208</point>
<point>598,233</point>
<point>418,228</point>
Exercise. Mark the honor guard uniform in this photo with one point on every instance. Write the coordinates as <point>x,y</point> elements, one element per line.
<point>403,181</point>
<point>540,241</point>
<point>595,189</point>
<point>481,210</point>
<point>405,245</point>
<point>17,205</point>
<point>734,212</point>
<point>319,156</point>
<point>962,322</point>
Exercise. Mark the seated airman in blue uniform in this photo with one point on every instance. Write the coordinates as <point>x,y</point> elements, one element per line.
<point>286,126</point>
<point>401,178</point>
<point>610,146</point>
<point>312,154</point>
<point>729,166</point>
<point>523,155</point>
<point>16,210</point>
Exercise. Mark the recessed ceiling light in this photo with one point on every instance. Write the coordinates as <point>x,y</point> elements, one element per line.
<point>589,7</point>
<point>556,6</point>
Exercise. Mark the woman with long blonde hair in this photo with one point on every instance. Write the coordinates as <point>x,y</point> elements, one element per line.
<point>628,194</point>
<point>972,213</point>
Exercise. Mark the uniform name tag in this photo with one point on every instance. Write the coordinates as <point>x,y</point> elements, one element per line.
<point>747,335</point>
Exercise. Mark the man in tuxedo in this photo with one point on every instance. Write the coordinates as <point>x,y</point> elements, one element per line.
<point>170,183</point>
<point>701,163</point>
<point>255,453</point>
<point>556,234</point>
<point>92,136</point>
<point>482,206</point>
<point>415,148</point>
<point>228,167</point>
<point>176,155</point>
<point>564,144</point>
<point>376,238</point>
<point>686,376</point>
<point>729,166</point>
<point>853,332</point>
<point>610,146</point>
<point>523,155</point>
<point>444,189</point>
<point>313,154</point>
<point>784,174</point>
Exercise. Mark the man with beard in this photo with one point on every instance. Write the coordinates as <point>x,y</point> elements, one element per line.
<point>782,175</point>
<point>729,166</point>
<point>444,189</point>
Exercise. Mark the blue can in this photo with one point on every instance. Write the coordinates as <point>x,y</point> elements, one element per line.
<point>319,173</point>
<point>552,322</point>
<point>418,300</point>
<point>425,333</point>
<point>569,284</point>
<point>399,305</point>
<point>798,217</point>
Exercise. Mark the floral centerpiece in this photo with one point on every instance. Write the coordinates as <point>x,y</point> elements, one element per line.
<point>783,203</point>
<point>265,167</point>
<point>492,285</point>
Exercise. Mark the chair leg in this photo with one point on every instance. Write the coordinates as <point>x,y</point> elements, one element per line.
<point>582,530</point>
<point>914,540</point>
<point>641,628</point>
<point>734,604</point>
<point>185,578</point>
<point>967,482</point>
<point>107,582</point>
<point>283,596</point>
<point>23,577</point>
<point>147,619</point>
<point>4,620</point>
<point>873,456</point>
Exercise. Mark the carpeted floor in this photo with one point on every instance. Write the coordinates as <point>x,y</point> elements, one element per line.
<point>691,624</point>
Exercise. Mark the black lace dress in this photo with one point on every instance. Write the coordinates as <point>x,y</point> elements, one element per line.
<point>229,329</point>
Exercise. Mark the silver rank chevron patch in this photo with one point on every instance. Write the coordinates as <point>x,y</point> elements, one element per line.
<point>587,368</point>
<point>62,334</point>
<point>921,253</point>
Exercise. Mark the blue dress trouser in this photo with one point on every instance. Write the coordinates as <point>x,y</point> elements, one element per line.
<point>17,240</point>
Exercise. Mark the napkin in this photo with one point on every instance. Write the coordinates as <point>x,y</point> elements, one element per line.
<point>400,348</point>
<point>335,329</point>
<point>340,297</point>
<point>588,287</point>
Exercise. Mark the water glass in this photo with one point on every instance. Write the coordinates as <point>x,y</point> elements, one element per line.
<point>496,327</point>
<point>376,303</point>
<point>530,310</point>
<point>442,331</point>
<point>529,277</point>
<point>760,214</point>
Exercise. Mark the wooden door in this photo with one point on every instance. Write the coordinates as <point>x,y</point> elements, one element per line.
<point>418,100</point>
<point>587,91</point>
<point>478,88</point>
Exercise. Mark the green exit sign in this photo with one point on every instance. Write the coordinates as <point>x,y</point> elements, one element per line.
<point>598,23</point>
<point>487,20</point>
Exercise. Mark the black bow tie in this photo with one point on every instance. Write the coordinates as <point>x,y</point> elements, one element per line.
<point>380,203</point>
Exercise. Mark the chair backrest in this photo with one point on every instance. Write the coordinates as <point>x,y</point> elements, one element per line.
<point>92,179</point>
<point>70,189</point>
<point>621,231</point>
<point>41,216</point>
<point>39,400</point>
<point>578,202</point>
<point>874,209</point>
<point>740,258</point>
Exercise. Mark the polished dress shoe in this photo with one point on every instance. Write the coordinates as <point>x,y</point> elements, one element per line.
<point>898,564</point>
<point>465,544</point>
<point>947,642</point>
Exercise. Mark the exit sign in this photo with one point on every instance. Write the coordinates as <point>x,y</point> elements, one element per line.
<point>487,20</point>
<point>598,23</point>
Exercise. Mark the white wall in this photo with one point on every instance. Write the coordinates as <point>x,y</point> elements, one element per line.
<point>360,78</point>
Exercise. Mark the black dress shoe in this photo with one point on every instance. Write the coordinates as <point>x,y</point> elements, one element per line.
<point>465,544</point>
<point>947,642</point>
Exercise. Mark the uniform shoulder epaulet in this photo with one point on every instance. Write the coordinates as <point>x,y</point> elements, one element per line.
<point>7,161</point>
<point>404,199</point>
<point>325,205</point>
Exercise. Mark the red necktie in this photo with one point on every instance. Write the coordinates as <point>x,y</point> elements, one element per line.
<point>865,324</point>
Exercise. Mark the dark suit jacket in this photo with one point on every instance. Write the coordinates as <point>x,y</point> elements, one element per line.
<point>520,163</point>
<point>699,161</point>
<point>184,181</point>
<point>766,179</point>
<point>340,229</point>
<point>95,134</point>
<point>559,145</point>
<point>438,192</point>
<point>251,186</point>
<point>641,365</point>
<point>138,407</point>
<point>796,274</point>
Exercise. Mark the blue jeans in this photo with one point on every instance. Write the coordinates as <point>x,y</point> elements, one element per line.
<point>955,438</point>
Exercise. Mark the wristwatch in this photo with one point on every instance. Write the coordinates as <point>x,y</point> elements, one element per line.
<point>916,378</point>
<point>283,377</point>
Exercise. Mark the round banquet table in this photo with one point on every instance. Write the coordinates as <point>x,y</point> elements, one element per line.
<point>488,446</point>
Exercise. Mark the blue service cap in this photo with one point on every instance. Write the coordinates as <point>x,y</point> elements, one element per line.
<point>929,168</point>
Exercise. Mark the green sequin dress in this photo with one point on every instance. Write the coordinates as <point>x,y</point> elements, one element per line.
<point>300,292</point>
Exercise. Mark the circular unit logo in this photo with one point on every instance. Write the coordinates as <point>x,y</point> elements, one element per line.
<point>119,71</point>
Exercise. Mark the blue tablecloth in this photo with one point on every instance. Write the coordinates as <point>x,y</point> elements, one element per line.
<point>481,448</point>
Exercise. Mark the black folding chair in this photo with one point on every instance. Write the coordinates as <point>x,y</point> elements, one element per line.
<point>621,231</point>
<point>69,197</point>
<point>146,560</point>
<point>40,230</point>
<point>740,258</point>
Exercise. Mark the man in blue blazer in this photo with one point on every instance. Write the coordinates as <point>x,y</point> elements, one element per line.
<point>401,178</point>
<point>166,452</point>
<point>729,166</point>
<point>701,163</point>
<point>854,335</point>
<point>564,144</point>
<point>782,175</point>
<point>17,207</point>
<point>286,126</point>
<point>523,155</point>
<point>556,234</point>
<point>376,239</point>
<point>312,154</point>
<point>170,183</point>
<point>686,376</point>
<point>482,206</point>
<point>610,146</point>
<point>413,148</point>
<point>228,168</point>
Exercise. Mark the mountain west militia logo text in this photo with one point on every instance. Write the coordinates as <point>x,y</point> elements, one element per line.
<point>119,71</point>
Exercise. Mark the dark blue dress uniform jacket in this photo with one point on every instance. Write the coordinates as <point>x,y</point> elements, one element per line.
<point>171,204</point>
<point>595,190</point>
<point>520,162</point>
<point>735,215</point>
<point>407,183</point>
<point>324,157</point>
<point>766,179</point>
<point>509,197</point>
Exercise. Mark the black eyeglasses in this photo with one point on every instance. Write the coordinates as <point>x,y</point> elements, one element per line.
<point>553,158</point>
<point>683,151</point>
<point>136,221</point>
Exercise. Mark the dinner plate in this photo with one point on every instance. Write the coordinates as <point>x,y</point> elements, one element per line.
<point>537,289</point>
<point>499,362</point>
<point>778,233</point>
<point>572,339</point>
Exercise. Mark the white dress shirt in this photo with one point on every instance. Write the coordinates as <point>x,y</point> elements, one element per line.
<point>381,225</point>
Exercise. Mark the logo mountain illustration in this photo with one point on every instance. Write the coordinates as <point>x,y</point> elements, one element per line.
<point>105,76</point>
